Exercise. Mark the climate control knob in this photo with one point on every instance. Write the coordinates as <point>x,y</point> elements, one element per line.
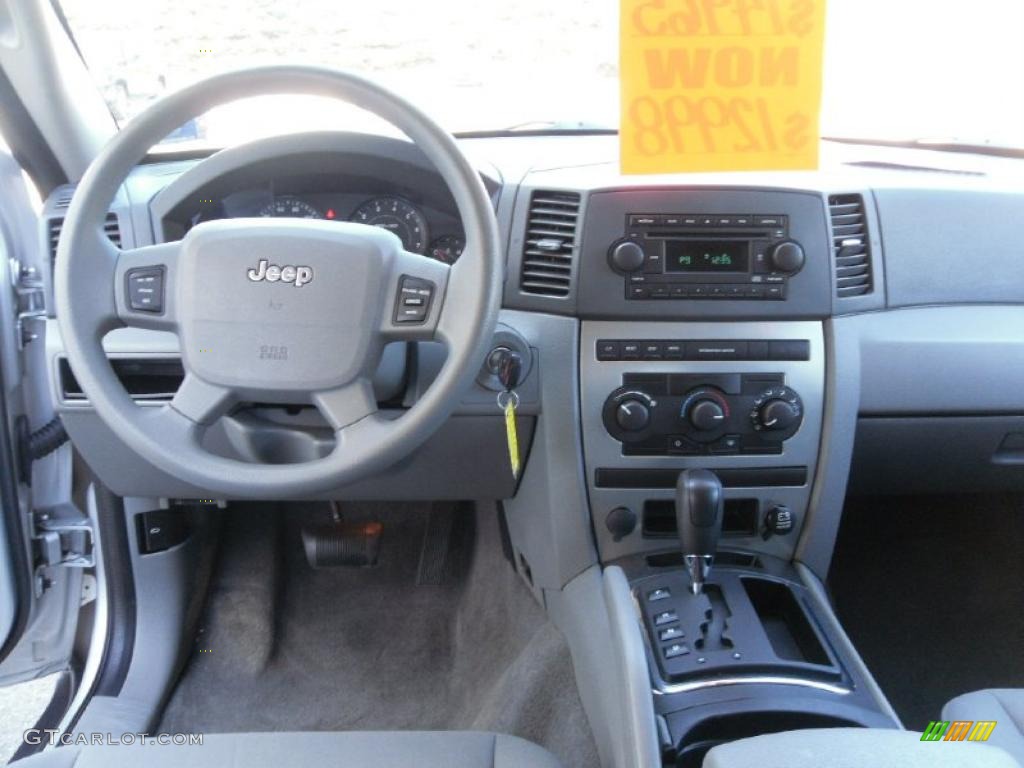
<point>627,256</point>
<point>788,257</point>
<point>632,415</point>
<point>706,415</point>
<point>779,411</point>
<point>778,415</point>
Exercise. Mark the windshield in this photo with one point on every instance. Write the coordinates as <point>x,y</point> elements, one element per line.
<point>894,70</point>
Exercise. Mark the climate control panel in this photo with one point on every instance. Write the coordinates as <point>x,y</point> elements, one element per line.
<point>702,414</point>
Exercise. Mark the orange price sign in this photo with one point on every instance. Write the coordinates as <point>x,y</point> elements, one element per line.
<point>720,85</point>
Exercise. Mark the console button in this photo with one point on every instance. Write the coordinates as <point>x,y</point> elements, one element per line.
<point>661,593</point>
<point>638,292</point>
<point>608,350</point>
<point>653,264</point>
<point>630,350</point>
<point>665,617</point>
<point>674,650</point>
<point>642,220</point>
<point>699,291</point>
<point>672,633</point>
<point>789,349</point>
<point>743,221</point>
<point>659,292</point>
<point>769,221</point>
<point>674,350</point>
<point>673,220</point>
<point>146,289</point>
<point>652,350</point>
<point>691,221</point>
<point>775,291</point>
<point>726,445</point>
<point>682,446</point>
<point>716,350</point>
<point>757,350</point>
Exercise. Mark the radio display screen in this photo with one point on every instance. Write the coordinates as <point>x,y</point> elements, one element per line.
<point>707,255</point>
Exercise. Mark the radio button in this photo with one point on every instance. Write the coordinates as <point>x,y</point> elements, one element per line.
<point>638,292</point>
<point>769,221</point>
<point>736,291</point>
<point>724,221</point>
<point>691,221</point>
<point>754,291</point>
<point>775,291</point>
<point>642,220</point>
<point>706,221</point>
<point>788,257</point>
<point>699,291</point>
<point>717,292</point>
<point>659,292</point>
<point>653,264</point>
<point>680,291</point>
<point>671,221</point>
<point>626,256</point>
<point>744,221</point>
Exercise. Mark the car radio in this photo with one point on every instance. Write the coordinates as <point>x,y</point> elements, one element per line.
<point>706,256</point>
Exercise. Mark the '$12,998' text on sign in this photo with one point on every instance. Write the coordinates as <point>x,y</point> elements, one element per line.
<point>720,84</point>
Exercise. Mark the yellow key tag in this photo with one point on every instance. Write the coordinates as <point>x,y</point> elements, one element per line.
<point>511,400</point>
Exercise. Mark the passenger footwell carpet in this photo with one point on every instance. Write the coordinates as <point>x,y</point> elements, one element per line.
<point>285,647</point>
<point>931,591</point>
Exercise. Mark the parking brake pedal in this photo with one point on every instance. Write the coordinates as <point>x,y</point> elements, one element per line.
<point>335,543</point>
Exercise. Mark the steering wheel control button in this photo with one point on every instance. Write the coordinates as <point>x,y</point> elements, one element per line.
<point>413,302</point>
<point>146,289</point>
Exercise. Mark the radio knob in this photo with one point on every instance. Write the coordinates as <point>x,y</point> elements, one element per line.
<point>788,257</point>
<point>706,415</point>
<point>632,415</point>
<point>627,257</point>
<point>778,415</point>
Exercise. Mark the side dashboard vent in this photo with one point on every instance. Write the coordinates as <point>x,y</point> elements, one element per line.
<point>110,226</point>
<point>550,243</point>
<point>850,243</point>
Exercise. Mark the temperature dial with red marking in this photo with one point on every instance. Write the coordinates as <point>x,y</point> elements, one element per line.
<point>706,409</point>
<point>777,411</point>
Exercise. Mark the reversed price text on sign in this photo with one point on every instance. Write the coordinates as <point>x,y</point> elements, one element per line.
<point>713,85</point>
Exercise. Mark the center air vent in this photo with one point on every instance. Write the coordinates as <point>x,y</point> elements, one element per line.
<point>850,245</point>
<point>110,227</point>
<point>550,243</point>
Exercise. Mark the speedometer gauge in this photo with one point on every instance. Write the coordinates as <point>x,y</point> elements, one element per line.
<point>290,207</point>
<point>398,216</point>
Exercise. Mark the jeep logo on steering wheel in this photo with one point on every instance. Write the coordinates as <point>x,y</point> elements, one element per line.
<point>273,273</point>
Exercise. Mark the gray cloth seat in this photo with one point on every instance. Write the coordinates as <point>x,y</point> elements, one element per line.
<point>854,748</point>
<point>1004,705</point>
<point>352,749</point>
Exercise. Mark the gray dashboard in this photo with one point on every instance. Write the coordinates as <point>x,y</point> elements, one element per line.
<point>940,238</point>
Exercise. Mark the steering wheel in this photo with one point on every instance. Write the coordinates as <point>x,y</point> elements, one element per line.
<point>289,311</point>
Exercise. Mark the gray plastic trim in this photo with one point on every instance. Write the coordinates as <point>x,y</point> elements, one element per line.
<point>641,747</point>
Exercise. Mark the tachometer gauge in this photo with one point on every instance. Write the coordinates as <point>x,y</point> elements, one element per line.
<point>290,207</point>
<point>398,216</point>
<point>446,248</point>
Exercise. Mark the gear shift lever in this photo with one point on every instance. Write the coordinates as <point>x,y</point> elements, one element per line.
<point>699,521</point>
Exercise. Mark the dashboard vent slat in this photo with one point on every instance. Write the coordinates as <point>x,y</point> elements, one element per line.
<point>850,246</point>
<point>111,228</point>
<point>550,243</point>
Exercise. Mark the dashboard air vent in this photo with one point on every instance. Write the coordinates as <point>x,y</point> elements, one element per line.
<point>851,245</point>
<point>550,243</point>
<point>110,226</point>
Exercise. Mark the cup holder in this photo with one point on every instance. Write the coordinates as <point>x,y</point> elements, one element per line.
<point>719,729</point>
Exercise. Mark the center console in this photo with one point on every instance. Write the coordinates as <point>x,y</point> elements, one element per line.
<point>702,392</point>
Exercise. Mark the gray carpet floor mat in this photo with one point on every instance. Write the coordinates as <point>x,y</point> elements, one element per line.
<point>931,591</point>
<point>284,647</point>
